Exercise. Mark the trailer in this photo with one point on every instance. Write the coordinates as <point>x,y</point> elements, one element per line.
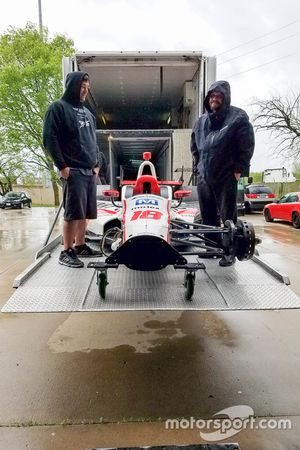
<point>145,101</point>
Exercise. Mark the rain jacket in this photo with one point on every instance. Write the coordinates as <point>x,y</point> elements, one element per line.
<point>69,129</point>
<point>222,143</point>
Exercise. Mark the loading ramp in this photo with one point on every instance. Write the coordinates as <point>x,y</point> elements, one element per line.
<point>46,286</point>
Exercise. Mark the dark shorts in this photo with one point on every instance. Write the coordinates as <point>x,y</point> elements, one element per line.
<point>79,196</point>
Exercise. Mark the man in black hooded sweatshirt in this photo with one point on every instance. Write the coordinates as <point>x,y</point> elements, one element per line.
<point>222,145</point>
<point>69,135</point>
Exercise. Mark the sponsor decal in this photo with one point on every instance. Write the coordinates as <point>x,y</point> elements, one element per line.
<point>146,201</point>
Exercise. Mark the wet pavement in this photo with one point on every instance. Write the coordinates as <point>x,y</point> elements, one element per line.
<point>90,380</point>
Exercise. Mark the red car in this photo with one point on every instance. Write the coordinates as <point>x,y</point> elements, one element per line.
<point>286,208</point>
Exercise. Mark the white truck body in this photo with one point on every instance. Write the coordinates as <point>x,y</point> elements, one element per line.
<point>145,101</point>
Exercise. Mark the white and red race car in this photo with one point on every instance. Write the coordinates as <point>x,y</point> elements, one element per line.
<point>149,226</point>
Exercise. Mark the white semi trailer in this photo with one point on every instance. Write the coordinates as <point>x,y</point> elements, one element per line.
<point>145,101</point>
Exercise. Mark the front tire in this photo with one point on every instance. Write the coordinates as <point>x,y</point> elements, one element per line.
<point>296,220</point>
<point>267,215</point>
<point>21,205</point>
<point>29,205</point>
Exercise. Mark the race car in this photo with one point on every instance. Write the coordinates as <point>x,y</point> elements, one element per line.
<point>150,229</point>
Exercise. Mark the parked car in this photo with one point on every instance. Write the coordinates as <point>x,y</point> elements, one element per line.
<point>257,197</point>
<point>286,208</point>
<point>16,200</point>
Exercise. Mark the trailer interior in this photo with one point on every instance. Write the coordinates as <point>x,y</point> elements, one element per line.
<point>139,99</point>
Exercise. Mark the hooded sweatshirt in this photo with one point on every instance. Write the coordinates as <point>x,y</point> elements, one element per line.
<point>69,132</point>
<point>222,142</point>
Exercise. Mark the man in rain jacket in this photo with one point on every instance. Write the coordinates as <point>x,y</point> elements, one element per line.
<point>69,135</point>
<point>222,145</point>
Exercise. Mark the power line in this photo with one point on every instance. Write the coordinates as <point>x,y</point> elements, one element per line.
<point>261,65</point>
<point>259,48</point>
<point>259,37</point>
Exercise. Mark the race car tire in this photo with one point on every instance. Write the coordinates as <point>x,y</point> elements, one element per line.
<point>246,240</point>
<point>296,220</point>
<point>267,215</point>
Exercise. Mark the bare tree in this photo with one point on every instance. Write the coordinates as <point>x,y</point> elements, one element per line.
<point>281,117</point>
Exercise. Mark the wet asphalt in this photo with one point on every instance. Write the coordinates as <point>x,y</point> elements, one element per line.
<point>91,380</point>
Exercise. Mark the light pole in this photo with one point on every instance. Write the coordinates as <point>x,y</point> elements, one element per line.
<point>40,17</point>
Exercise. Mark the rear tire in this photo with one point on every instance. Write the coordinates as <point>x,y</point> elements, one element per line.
<point>296,220</point>
<point>29,205</point>
<point>267,215</point>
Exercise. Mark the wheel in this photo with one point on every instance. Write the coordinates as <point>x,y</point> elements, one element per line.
<point>189,284</point>
<point>267,215</point>
<point>102,283</point>
<point>111,240</point>
<point>29,204</point>
<point>246,240</point>
<point>296,220</point>
<point>21,205</point>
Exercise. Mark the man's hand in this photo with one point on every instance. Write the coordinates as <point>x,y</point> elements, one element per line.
<point>237,176</point>
<point>96,170</point>
<point>65,173</point>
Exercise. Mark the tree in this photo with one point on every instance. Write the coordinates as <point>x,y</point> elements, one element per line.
<point>296,170</point>
<point>11,165</point>
<point>281,117</point>
<point>30,79</point>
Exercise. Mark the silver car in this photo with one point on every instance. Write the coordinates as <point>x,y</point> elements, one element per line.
<point>257,196</point>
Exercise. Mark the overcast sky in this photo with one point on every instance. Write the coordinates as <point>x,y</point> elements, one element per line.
<point>215,27</point>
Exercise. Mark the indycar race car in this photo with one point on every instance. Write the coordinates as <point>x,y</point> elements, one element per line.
<point>150,229</point>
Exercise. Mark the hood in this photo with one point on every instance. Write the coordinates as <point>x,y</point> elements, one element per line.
<point>219,86</point>
<point>72,89</point>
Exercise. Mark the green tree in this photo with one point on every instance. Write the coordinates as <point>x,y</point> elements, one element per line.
<point>30,79</point>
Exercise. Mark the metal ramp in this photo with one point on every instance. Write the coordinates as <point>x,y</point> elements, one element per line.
<point>46,286</point>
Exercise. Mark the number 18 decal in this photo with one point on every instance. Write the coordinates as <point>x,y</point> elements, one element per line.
<point>155,215</point>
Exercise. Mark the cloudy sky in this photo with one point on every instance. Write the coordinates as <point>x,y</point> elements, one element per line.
<point>257,43</point>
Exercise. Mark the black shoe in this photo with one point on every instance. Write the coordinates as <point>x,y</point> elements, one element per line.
<point>84,251</point>
<point>69,258</point>
<point>227,260</point>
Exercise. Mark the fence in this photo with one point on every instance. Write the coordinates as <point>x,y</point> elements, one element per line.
<point>39,194</point>
<point>283,188</point>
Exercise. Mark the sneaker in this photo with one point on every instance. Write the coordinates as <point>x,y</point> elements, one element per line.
<point>227,260</point>
<point>69,258</point>
<point>84,251</point>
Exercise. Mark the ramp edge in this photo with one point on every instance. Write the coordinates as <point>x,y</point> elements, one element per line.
<point>49,247</point>
<point>272,270</point>
<point>23,276</point>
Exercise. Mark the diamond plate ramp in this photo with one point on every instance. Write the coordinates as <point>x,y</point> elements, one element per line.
<point>56,288</point>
